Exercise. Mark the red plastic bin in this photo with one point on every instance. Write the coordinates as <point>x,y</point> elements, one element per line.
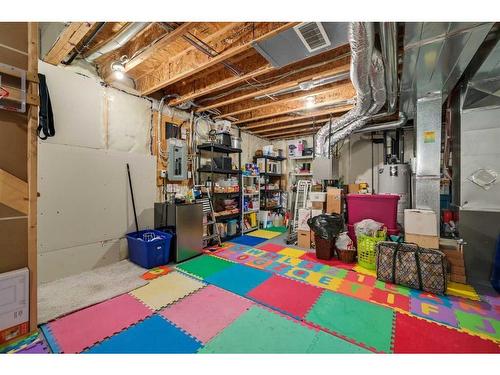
<point>379,207</point>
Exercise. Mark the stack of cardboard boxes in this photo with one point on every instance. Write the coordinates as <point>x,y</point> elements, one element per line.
<point>455,256</point>
<point>329,202</point>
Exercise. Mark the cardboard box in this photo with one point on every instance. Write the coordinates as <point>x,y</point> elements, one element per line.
<point>429,242</point>
<point>333,201</point>
<point>304,215</point>
<point>317,205</point>
<point>304,239</point>
<point>423,222</point>
<point>353,188</point>
<point>316,212</point>
<point>317,196</point>
<point>461,279</point>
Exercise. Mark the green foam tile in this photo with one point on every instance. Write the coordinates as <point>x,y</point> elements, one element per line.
<point>261,331</point>
<point>204,266</point>
<point>277,229</point>
<point>478,324</point>
<point>360,321</point>
<point>327,343</point>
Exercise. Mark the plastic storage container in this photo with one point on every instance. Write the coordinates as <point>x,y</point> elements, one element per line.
<point>149,248</point>
<point>379,207</point>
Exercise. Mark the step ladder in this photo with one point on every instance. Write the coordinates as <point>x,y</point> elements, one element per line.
<point>208,209</point>
<point>301,196</point>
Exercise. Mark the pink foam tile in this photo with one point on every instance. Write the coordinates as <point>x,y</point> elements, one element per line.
<point>271,247</point>
<point>290,296</point>
<point>208,311</point>
<point>84,328</point>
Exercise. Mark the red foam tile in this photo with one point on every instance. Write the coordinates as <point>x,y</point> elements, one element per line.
<point>271,247</point>
<point>84,328</point>
<point>334,262</point>
<point>287,295</point>
<point>390,299</point>
<point>419,336</point>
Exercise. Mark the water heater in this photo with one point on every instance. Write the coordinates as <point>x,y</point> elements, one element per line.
<point>395,179</point>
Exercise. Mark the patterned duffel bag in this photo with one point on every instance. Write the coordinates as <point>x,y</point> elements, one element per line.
<point>409,265</point>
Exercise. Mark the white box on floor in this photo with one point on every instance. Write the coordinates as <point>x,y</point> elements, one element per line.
<point>304,215</point>
<point>423,222</point>
<point>14,298</point>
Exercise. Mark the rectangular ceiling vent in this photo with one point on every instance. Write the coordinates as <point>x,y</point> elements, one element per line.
<point>313,35</point>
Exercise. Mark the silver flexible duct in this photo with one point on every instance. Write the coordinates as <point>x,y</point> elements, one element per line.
<point>399,123</point>
<point>123,36</point>
<point>379,95</point>
<point>361,40</point>
<point>389,44</point>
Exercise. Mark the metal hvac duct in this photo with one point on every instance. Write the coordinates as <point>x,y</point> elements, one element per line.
<point>377,84</point>
<point>389,43</point>
<point>399,123</point>
<point>123,36</point>
<point>361,40</point>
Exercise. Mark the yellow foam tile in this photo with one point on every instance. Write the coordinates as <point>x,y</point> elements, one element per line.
<point>462,290</point>
<point>166,289</point>
<point>294,253</point>
<point>357,268</point>
<point>261,233</point>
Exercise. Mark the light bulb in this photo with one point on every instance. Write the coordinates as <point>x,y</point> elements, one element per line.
<point>119,75</point>
<point>310,102</point>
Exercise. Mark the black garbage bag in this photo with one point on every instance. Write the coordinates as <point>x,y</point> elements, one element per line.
<point>326,226</point>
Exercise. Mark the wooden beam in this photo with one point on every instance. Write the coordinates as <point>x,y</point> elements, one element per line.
<point>345,90</point>
<point>32,168</point>
<point>269,90</point>
<point>291,135</point>
<point>67,41</point>
<point>189,64</point>
<point>297,125</point>
<point>13,192</point>
<point>285,119</point>
<point>15,94</point>
<point>148,52</point>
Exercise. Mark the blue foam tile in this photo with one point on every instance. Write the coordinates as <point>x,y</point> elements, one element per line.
<point>151,336</point>
<point>248,240</point>
<point>54,347</point>
<point>239,279</point>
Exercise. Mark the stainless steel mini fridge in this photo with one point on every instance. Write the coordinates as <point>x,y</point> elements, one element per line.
<point>186,221</point>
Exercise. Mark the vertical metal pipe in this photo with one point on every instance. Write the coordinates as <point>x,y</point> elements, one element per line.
<point>389,44</point>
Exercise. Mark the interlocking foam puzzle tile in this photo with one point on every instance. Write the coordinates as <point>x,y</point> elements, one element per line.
<point>49,338</point>
<point>153,335</point>
<point>279,268</point>
<point>260,262</point>
<point>238,279</point>
<point>475,307</point>
<point>248,240</point>
<point>289,296</point>
<point>433,311</point>
<point>207,312</point>
<point>282,229</point>
<point>311,266</point>
<point>334,262</point>
<point>156,272</point>
<point>261,233</point>
<point>261,331</point>
<point>361,279</point>
<point>393,288</point>
<point>204,265</point>
<point>430,297</point>
<point>255,252</point>
<point>326,343</point>
<point>364,271</point>
<point>84,328</point>
<point>167,289</point>
<point>414,335</point>
<point>35,348</point>
<point>361,321</point>
<point>354,289</point>
<point>272,247</point>
<point>295,253</point>
<point>323,281</point>
<point>390,299</point>
<point>462,290</point>
<point>236,247</point>
<point>479,325</point>
<point>339,273</point>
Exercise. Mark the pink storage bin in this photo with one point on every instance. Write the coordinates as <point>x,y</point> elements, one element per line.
<point>379,207</point>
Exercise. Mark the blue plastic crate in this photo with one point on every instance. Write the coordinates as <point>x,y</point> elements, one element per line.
<point>149,248</point>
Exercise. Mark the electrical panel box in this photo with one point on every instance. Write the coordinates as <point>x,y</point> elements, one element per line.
<point>177,160</point>
<point>14,298</point>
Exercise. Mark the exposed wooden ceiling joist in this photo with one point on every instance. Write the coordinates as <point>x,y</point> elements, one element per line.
<point>292,135</point>
<point>69,38</point>
<point>172,71</point>
<point>312,123</point>
<point>285,119</point>
<point>286,85</point>
<point>330,94</point>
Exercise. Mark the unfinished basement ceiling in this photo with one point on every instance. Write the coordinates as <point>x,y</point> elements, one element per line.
<point>216,68</point>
